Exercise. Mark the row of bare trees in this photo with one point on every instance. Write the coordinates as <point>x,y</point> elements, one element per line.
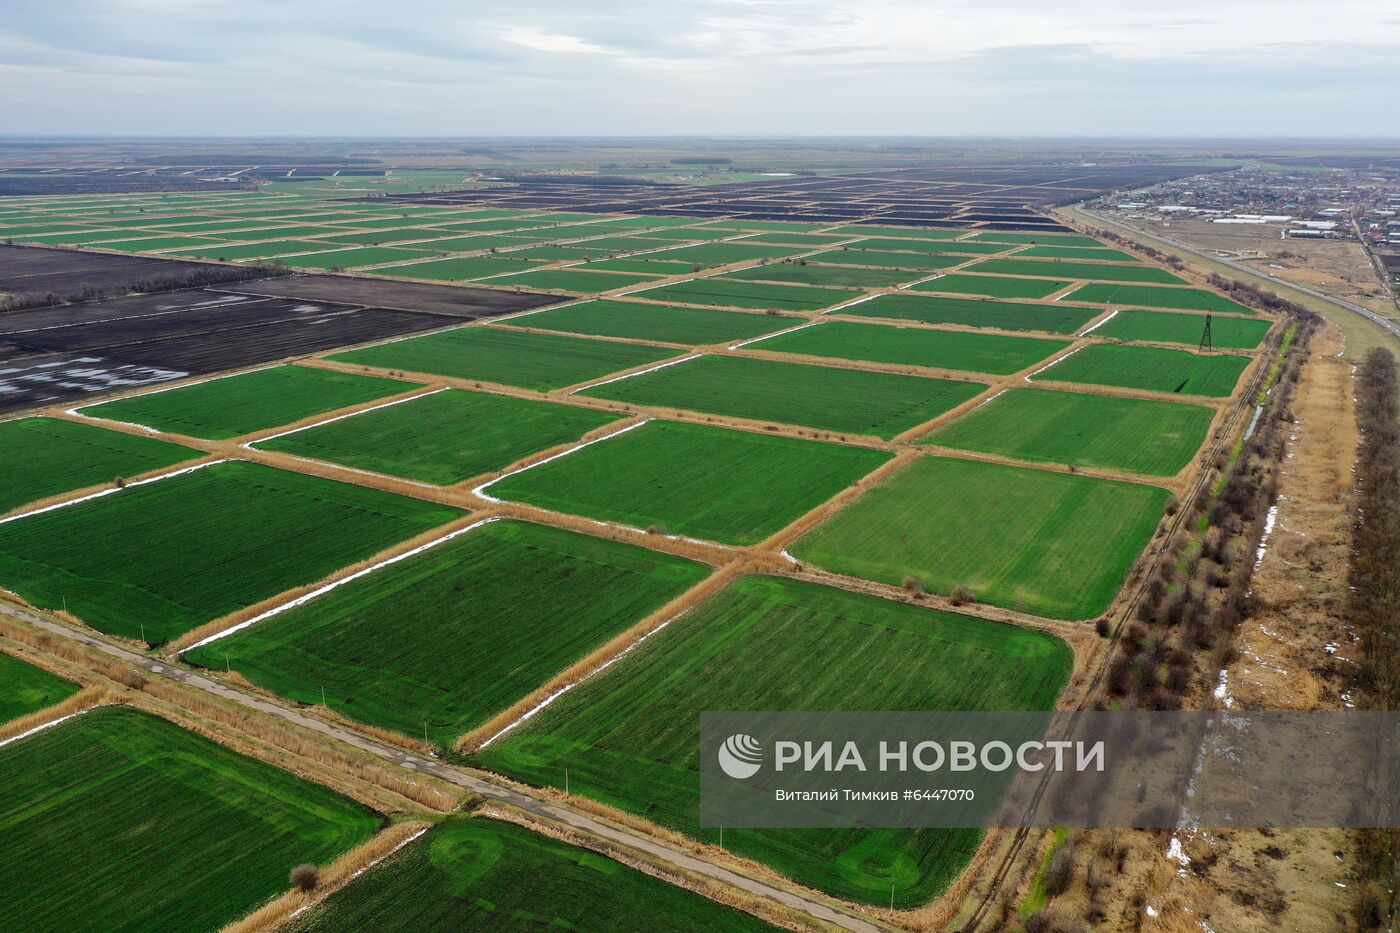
<point>1199,590</point>
<point>1375,603</point>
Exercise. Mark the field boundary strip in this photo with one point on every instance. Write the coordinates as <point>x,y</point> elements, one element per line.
<point>52,722</point>
<point>1054,362</point>
<point>640,372</point>
<point>107,492</point>
<point>361,411</point>
<point>326,588</point>
<point>1111,315</point>
<point>779,333</point>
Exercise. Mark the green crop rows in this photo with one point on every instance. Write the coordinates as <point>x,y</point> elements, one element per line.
<point>172,554</point>
<point>509,357</point>
<point>1152,296</point>
<point>629,737</point>
<point>42,457</point>
<point>993,285</point>
<point>444,437</point>
<point>828,397</point>
<point>735,487</point>
<point>666,323</point>
<point>444,639</point>
<point>255,401</point>
<point>1093,271</point>
<point>938,349</point>
<point>1050,543</point>
<point>26,689</point>
<point>1150,368</point>
<point>122,822</point>
<point>726,292</point>
<point>479,874</point>
<point>1141,436</point>
<point>976,312</point>
<point>1165,327</point>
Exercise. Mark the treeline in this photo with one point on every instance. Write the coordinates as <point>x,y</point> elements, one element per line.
<point>1199,591</point>
<point>192,277</point>
<point>1375,602</point>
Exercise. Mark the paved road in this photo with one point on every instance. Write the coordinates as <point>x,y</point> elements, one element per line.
<point>1385,323</point>
<point>460,777</point>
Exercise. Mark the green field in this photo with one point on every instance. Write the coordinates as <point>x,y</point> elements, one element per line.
<point>231,253</point>
<point>735,487</point>
<point>1141,436</point>
<point>1151,296</point>
<point>459,632</point>
<point>607,245</point>
<point>466,268</point>
<point>176,553</point>
<point>1054,544</point>
<point>1048,239</point>
<point>1076,252</point>
<point>150,243</point>
<point>42,457</point>
<point>938,349</point>
<point>1165,327</point>
<point>828,397</point>
<point>444,437</point>
<point>720,254</point>
<point>353,258</point>
<point>1093,271</point>
<point>639,264</point>
<point>122,822</point>
<point>779,238</point>
<point>630,736</point>
<point>994,285</point>
<point>919,262</point>
<point>1179,372</point>
<point>911,233</point>
<point>26,689</point>
<point>255,401</point>
<point>481,874</point>
<point>375,238</point>
<point>966,247</point>
<point>976,312</point>
<point>666,323</point>
<point>568,280</point>
<point>731,293</point>
<point>509,357</point>
<point>812,274</point>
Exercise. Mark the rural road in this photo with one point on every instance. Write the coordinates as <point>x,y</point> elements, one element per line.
<point>1385,323</point>
<point>461,778</point>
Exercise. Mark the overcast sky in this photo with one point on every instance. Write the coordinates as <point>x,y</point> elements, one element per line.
<point>755,67</point>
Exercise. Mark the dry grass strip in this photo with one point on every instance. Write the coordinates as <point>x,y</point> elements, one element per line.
<point>79,702</point>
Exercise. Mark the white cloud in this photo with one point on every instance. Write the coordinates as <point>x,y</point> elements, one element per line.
<point>532,37</point>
